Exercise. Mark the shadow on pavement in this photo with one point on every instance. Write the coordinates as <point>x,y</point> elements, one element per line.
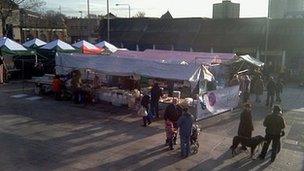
<point>245,163</point>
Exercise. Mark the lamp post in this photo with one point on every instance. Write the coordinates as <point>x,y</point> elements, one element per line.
<point>108,20</point>
<point>80,12</point>
<point>88,5</point>
<point>128,7</point>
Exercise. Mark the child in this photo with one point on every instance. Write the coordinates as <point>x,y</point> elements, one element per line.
<point>169,133</point>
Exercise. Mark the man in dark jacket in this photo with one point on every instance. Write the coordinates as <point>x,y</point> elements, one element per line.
<point>271,89</point>
<point>274,124</point>
<point>185,126</point>
<point>156,94</point>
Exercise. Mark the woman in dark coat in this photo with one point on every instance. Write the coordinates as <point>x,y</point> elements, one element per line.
<point>246,125</point>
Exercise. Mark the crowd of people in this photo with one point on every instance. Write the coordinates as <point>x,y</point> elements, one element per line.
<point>274,122</point>
<point>255,84</point>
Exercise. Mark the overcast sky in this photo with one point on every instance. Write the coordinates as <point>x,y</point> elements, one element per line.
<point>155,8</point>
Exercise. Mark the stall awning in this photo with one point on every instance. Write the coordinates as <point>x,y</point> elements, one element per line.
<point>10,47</point>
<point>87,48</point>
<point>128,67</point>
<point>251,60</point>
<point>34,43</point>
<point>58,45</point>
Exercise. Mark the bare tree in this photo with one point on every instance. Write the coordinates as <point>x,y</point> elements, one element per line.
<point>140,14</point>
<point>8,6</point>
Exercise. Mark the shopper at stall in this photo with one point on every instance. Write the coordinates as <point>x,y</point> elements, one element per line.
<point>145,101</point>
<point>96,82</point>
<point>279,89</point>
<point>258,89</point>
<point>234,81</point>
<point>271,89</point>
<point>246,125</point>
<point>57,87</point>
<point>156,94</point>
<point>185,126</point>
<point>245,88</point>
<point>275,125</point>
<point>76,85</point>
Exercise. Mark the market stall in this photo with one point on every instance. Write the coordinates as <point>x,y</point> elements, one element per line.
<point>189,76</point>
<point>108,47</point>
<point>16,58</point>
<point>87,48</point>
<point>34,43</point>
<point>48,53</point>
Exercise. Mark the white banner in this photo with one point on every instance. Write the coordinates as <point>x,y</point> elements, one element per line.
<point>217,101</point>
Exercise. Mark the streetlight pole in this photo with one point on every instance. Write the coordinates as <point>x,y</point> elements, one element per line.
<point>108,20</point>
<point>267,31</point>
<point>88,4</point>
<point>129,7</point>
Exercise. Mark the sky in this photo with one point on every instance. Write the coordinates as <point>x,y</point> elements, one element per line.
<point>155,8</point>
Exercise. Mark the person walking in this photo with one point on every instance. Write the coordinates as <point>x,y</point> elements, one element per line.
<point>185,127</point>
<point>145,104</point>
<point>246,125</point>
<point>275,125</point>
<point>279,90</point>
<point>271,89</point>
<point>156,94</point>
<point>258,89</point>
<point>245,88</point>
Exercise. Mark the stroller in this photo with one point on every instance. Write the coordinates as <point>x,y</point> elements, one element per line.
<point>194,144</point>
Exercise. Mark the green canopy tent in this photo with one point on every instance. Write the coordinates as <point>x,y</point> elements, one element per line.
<point>34,44</point>
<point>49,50</point>
<point>15,56</point>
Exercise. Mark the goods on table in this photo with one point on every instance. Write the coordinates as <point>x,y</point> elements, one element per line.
<point>117,96</point>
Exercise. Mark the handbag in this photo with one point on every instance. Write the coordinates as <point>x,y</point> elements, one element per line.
<point>142,111</point>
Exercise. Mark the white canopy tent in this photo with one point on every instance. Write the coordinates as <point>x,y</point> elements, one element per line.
<point>58,44</point>
<point>129,67</point>
<point>107,46</point>
<point>11,45</point>
<point>34,43</point>
<point>83,43</point>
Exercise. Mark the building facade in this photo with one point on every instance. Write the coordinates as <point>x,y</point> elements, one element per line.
<point>226,9</point>
<point>286,9</point>
<point>83,29</point>
<point>241,36</point>
<point>46,28</point>
<point>22,25</point>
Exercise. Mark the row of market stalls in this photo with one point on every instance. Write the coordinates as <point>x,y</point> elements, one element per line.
<point>187,74</point>
<point>36,57</point>
<point>198,77</point>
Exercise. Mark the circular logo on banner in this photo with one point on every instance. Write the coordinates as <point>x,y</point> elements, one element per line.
<point>212,99</point>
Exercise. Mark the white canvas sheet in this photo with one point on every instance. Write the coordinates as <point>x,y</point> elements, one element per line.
<point>128,67</point>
